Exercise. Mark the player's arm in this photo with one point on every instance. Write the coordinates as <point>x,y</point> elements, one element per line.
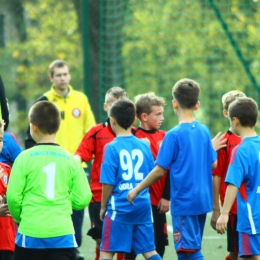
<point>4,106</point>
<point>152,177</point>
<point>216,209</point>
<point>106,193</point>
<point>164,203</point>
<point>80,192</point>
<point>230,196</point>
<point>78,157</point>
<point>218,173</point>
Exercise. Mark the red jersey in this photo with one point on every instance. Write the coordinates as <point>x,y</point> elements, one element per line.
<point>91,147</point>
<point>224,156</point>
<point>155,138</point>
<point>7,225</point>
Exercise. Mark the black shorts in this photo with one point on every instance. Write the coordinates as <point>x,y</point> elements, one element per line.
<point>160,228</point>
<point>21,253</point>
<point>96,224</point>
<point>6,255</point>
<point>232,234</point>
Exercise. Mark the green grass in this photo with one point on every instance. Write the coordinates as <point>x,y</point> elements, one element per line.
<point>213,244</point>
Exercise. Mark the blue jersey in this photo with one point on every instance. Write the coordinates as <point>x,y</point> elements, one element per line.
<point>188,151</point>
<point>11,149</point>
<point>127,161</point>
<point>244,173</point>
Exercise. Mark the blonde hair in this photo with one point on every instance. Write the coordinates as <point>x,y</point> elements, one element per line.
<point>144,103</point>
<point>230,96</point>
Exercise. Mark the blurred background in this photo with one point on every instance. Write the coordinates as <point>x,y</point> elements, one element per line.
<point>139,45</point>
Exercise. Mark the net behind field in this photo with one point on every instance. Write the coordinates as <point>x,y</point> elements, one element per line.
<point>149,45</point>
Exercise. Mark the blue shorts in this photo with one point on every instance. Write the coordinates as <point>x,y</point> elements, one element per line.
<point>122,237</point>
<point>248,245</point>
<point>187,232</point>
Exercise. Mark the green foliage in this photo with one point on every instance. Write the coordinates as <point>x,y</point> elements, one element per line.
<point>144,46</point>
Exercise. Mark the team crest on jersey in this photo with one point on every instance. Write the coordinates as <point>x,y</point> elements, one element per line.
<point>76,112</point>
<point>177,236</point>
<point>5,180</point>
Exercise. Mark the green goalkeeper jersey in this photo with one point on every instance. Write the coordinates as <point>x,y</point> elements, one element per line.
<point>46,183</point>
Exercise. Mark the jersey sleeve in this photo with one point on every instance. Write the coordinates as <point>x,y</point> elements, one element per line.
<point>86,148</point>
<point>237,168</point>
<point>15,188</point>
<point>13,146</point>
<point>108,167</point>
<point>80,192</point>
<point>220,169</point>
<point>167,152</point>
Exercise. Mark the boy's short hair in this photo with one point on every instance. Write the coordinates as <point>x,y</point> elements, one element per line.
<point>116,92</point>
<point>245,109</point>
<point>144,103</point>
<point>123,110</point>
<point>57,64</point>
<point>230,96</point>
<point>46,116</point>
<point>186,92</point>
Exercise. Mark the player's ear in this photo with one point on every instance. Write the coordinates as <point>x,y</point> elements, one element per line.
<point>112,121</point>
<point>197,105</point>
<point>143,117</point>
<point>33,128</point>
<point>105,106</point>
<point>175,104</point>
<point>225,113</point>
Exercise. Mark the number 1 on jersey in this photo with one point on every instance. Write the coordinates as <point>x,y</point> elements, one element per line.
<point>50,171</point>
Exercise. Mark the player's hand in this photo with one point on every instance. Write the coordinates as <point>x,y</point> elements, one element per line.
<point>102,213</point>
<point>163,206</point>
<point>132,194</point>
<point>221,225</point>
<point>219,141</point>
<point>214,218</point>
<point>4,211</point>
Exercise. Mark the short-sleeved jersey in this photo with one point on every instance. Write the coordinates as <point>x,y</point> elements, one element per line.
<point>11,149</point>
<point>224,156</point>
<point>7,225</point>
<point>155,138</point>
<point>91,147</point>
<point>244,173</point>
<point>127,161</point>
<point>46,183</point>
<point>188,151</point>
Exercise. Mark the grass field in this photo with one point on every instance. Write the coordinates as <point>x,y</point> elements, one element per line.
<point>213,246</point>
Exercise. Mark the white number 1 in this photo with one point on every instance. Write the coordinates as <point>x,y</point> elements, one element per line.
<point>50,171</point>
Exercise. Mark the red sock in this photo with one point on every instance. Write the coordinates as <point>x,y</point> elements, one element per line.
<point>227,258</point>
<point>97,253</point>
<point>120,256</point>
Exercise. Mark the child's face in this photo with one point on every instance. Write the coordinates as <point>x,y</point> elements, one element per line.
<point>108,103</point>
<point>155,118</point>
<point>1,139</point>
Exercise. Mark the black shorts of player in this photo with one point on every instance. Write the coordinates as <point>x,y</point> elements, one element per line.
<point>160,228</point>
<point>6,255</point>
<point>96,224</point>
<point>21,253</point>
<point>232,234</point>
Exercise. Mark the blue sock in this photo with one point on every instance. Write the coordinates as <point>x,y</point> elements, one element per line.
<point>182,256</point>
<point>196,256</point>
<point>155,257</point>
